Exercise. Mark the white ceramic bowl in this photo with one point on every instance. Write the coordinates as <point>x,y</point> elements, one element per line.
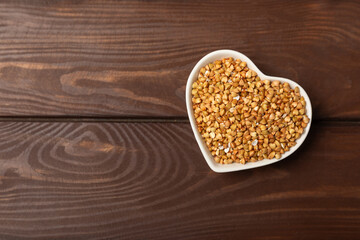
<point>218,55</point>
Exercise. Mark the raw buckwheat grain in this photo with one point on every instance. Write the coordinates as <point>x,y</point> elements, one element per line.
<point>243,118</point>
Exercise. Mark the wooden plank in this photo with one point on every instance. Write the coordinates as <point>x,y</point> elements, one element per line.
<point>132,58</point>
<point>150,181</point>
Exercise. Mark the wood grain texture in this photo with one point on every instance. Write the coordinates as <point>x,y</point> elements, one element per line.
<point>132,58</point>
<point>150,181</point>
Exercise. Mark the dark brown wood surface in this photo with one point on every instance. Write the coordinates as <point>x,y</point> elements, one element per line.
<point>88,58</point>
<point>94,141</point>
<point>150,181</point>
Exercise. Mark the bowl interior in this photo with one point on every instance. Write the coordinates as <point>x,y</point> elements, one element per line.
<point>217,167</point>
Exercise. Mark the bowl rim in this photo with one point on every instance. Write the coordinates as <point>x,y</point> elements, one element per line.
<point>221,168</point>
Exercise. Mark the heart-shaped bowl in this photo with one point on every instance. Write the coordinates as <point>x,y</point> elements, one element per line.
<point>217,167</point>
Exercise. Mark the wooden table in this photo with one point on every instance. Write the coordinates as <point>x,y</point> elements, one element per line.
<point>95,141</point>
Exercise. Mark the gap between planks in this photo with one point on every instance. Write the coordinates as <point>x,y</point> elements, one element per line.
<point>95,119</point>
